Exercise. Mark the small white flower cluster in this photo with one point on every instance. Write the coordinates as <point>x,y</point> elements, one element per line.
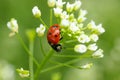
<point>87,66</point>
<point>37,13</point>
<point>23,73</point>
<point>13,26</point>
<point>40,30</point>
<point>73,27</point>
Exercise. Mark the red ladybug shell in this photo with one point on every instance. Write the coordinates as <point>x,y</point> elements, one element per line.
<point>53,35</point>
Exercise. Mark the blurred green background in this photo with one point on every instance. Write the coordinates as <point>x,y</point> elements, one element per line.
<point>12,54</point>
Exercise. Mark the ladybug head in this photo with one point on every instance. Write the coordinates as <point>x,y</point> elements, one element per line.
<point>57,47</point>
<point>56,26</point>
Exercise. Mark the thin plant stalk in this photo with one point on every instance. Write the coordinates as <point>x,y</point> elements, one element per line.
<point>50,16</point>
<point>60,65</point>
<point>43,22</point>
<point>41,47</point>
<point>27,50</point>
<point>44,61</point>
<point>31,45</point>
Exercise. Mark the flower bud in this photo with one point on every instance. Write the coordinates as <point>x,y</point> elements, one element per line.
<point>81,16</point>
<point>91,25</point>
<point>64,15</point>
<point>40,30</point>
<point>36,12</point>
<point>98,54</point>
<point>87,66</point>
<point>57,11</point>
<point>94,37</point>
<point>59,3</point>
<point>12,25</point>
<point>92,47</point>
<point>80,48</point>
<point>73,27</point>
<point>83,38</point>
<point>77,4</point>
<point>64,22</point>
<point>23,73</point>
<point>100,29</point>
<point>51,3</point>
<point>69,7</point>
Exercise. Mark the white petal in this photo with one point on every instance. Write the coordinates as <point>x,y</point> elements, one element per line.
<point>80,48</point>
<point>51,3</point>
<point>98,54</point>
<point>36,12</point>
<point>92,47</point>
<point>94,37</point>
<point>83,38</point>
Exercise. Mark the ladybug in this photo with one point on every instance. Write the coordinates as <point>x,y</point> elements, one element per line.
<point>53,37</point>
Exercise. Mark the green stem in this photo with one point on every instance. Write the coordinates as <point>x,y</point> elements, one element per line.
<point>27,50</point>
<point>31,61</point>
<point>41,47</point>
<point>59,65</point>
<point>43,22</point>
<point>84,28</point>
<point>44,61</point>
<point>50,16</point>
<point>70,41</point>
<point>67,65</point>
<point>74,56</point>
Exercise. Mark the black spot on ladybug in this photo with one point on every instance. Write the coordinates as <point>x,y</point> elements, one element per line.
<point>53,37</point>
<point>56,35</point>
<point>50,33</point>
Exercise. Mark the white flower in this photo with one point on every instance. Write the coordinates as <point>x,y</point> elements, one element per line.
<point>81,16</point>
<point>91,25</point>
<point>80,25</point>
<point>77,4</point>
<point>87,66</point>
<point>97,29</point>
<point>36,12</point>
<point>23,73</point>
<point>73,27</point>
<point>80,48</point>
<point>92,47</point>
<point>12,25</point>
<point>64,22</point>
<point>59,3</point>
<point>83,38</point>
<point>82,12</point>
<point>94,37</point>
<point>64,15</point>
<point>100,29</point>
<point>51,3</point>
<point>98,54</point>
<point>81,19</point>
<point>40,30</point>
<point>69,7</point>
<point>57,11</point>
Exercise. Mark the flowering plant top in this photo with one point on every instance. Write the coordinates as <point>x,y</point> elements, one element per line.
<point>69,33</point>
